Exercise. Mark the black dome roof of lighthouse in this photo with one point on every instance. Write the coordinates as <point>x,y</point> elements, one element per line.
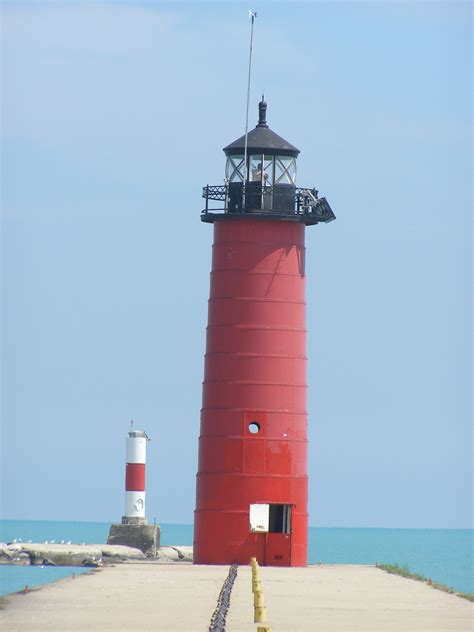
<point>262,140</point>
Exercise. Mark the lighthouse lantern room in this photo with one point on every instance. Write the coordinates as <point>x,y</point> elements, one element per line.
<point>260,178</point>
<point>252,483</point>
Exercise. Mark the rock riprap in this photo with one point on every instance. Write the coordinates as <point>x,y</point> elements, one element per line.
<point>167,554</point>
<point>36,554</point>
<point>65,554</point>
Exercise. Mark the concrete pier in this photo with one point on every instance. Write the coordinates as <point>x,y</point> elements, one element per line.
<point>137,597</point>
<point>139,535</point>
<point>349,598</point>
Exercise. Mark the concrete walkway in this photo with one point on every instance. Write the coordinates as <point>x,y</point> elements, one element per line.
<point>346,599</point>
<point>140,597</point>
<point>135,597</point>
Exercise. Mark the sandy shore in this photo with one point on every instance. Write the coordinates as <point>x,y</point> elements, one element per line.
<point>146,596</point>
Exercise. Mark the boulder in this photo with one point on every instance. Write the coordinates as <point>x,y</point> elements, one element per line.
<point>120,552</point>
<point>168,554</point>
<point>6,554</point>
<point>60,554</point>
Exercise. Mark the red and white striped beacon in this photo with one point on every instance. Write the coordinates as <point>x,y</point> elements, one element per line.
<point>135,477</point>
<point>134,530</point>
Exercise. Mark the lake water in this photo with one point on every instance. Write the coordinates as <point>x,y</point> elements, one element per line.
<point>445,555</point>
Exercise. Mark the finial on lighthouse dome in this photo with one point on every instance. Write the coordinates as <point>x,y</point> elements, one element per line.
<point>262,113</point>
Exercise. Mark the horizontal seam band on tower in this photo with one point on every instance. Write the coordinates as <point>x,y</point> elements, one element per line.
<point>246,511</point>
<point>257,272</point>
<point>253,355</point>
<point>254,300</point>
<point>254,382</point>
<point>279,411</point>
<point>250,474</point>
<point>281,244</point>
<point>227,510</point>
<point>253,437</point>
<point>303,477</point>
<point>259,328</point>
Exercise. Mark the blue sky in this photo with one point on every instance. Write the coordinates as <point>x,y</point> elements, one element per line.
<point>114,117</point>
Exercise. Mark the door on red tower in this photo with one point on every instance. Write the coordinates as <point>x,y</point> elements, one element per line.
<point>274,522</point>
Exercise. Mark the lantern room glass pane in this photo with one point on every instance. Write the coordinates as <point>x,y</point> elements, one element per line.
<point>234,168</point>
<point>268,168</point>
<point>256,173</point>
<point>285,170</point>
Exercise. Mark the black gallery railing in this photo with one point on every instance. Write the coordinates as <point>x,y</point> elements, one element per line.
<point>257,198</point>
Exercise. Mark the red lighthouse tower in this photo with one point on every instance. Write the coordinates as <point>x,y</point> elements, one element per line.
<point>252,483</point>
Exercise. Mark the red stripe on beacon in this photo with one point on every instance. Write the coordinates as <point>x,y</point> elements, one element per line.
<point>135,477</point>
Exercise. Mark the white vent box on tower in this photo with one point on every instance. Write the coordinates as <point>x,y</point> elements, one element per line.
<point>259,518</point>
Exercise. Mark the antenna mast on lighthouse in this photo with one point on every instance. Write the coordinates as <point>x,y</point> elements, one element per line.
<point>252,15</point>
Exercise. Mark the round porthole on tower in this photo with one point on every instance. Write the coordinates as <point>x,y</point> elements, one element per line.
<point>254,427</point>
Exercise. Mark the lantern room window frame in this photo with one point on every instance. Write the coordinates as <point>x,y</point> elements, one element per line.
<point>285,170</point>
<point>277,169</point>
<point>234,168</point>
